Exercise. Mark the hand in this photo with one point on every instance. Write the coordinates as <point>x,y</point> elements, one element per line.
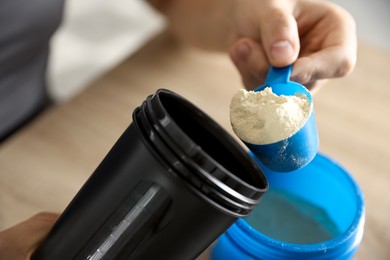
<point>20,241</point>
<point>319,37</point>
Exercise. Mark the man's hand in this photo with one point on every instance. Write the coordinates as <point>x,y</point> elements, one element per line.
<point>319,37</point>
<point>20,241</point>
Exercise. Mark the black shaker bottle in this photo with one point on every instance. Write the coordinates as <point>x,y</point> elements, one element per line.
<point>172,184</point>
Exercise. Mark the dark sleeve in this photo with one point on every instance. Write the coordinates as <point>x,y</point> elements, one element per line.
<point>26,27</point>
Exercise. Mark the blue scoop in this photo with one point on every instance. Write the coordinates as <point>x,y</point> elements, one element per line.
<point>299,149</point>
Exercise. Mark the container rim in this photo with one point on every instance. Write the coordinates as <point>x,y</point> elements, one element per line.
<point>218,181</point>
<point>348,239</point>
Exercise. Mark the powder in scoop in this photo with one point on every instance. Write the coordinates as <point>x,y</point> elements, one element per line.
<point>263,117</point>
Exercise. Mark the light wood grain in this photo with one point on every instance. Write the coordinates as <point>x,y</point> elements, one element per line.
<point>44,165</point>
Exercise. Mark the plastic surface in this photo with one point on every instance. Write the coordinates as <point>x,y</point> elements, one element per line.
<point>172,178</point>
<point>214,168</point>
<point>299,149</point>
<point>323,182</point>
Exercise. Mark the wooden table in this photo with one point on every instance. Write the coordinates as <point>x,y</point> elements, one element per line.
<point>43,166</point>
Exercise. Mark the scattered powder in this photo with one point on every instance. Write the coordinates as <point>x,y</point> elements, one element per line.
<point>263,117</point>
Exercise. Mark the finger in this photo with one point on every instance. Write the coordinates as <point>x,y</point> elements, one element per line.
<point>40,226</point>
<point>330,48</point>
<point>251,62</point>
<point>279,33</point>
<point>328,63</point>
<point>19,241</point>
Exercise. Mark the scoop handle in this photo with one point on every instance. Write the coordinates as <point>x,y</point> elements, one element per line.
<point>278,75</point>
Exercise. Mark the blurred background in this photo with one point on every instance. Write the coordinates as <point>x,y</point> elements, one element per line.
<point>96,35</point>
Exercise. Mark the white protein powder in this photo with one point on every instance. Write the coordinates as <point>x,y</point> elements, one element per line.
<point>263,117</point>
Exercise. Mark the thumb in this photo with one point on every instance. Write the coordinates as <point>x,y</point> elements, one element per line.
<point>19,241</point>
<point>279,34</point>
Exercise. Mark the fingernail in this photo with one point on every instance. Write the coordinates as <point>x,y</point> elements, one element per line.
<point>300,75</point>
<point>243,51</point>
<point>294,76</point>
<point>281,49</point>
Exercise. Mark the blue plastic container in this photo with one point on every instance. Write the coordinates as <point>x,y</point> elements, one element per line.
<point>299,149</point>
<point>324,183</point>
